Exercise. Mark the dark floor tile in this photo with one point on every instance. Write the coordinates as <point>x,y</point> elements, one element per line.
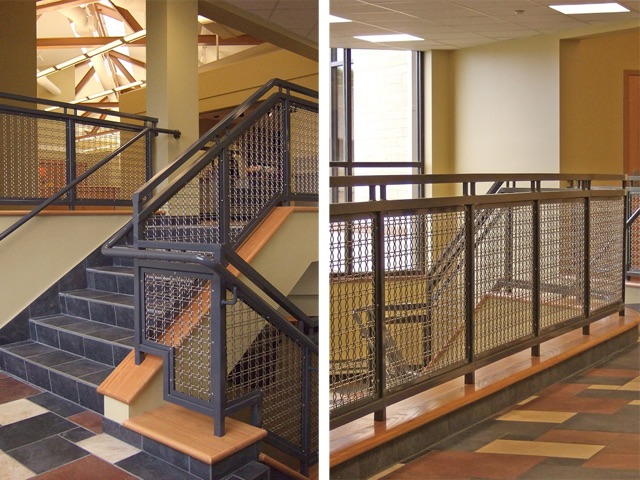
<point>59,320</point>
<point>112,333</point>
<point>124,317</point>
<point>48,336</point>
<point>117,299</point>
<point>56,404</point>
<point>146,466</point>
<point>85,326</point>
<point>87,468</point>
<point>24,432</point>
<point>31,349</point>
<point>64,386</point>
<point>98,377</point>
<point>47,454</point>
<point>15,366</point>
<point>102,312</point>
<point>38,375</point>
<point>89,398</point>
<point>125,284</point>
<point>86,293</point>
<point>103,281</point>
<point>55,358</point>
<point>71,342</point>
<point>168,454</point>
<point>80,368</point>
<point>12,389</point>
<point>98,351</point>
<point>119,353</point>
<point>77,307</point>
<point>77,434</point>
<point>613,394</point>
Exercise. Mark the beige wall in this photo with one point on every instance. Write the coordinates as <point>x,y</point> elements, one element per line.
<point>592,100</point>
<point>230,81</point>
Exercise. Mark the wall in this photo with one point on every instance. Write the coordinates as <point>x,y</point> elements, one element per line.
<point>506,107</point>
<point>228,82</point>
<point>592,100</point>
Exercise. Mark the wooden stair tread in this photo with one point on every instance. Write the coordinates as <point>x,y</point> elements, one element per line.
<point>128,380</point>
<point>192,433</point>
<point>361,435</point>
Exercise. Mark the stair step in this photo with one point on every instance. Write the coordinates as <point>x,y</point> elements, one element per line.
<point>115,279</point>
<point>94,340</point>
<point>104,307</point>
<point>70,376</point>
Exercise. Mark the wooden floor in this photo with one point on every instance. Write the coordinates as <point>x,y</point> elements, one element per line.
<point>362,435</point>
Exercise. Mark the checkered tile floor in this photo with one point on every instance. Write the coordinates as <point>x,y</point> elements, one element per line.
<point>45,437</point>
<point>587,427</point>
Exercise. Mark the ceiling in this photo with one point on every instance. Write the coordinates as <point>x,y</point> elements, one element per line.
<point>453,24</point>
<point>76,29</point>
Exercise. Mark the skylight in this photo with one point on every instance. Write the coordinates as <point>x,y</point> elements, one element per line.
<point>335,19</point>
<point>398,37</point>
<point>584,8</point>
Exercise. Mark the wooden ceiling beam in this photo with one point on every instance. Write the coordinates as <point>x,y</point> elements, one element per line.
<point>126,58</point>
<point>46,6</point>
<point>84,80</point>
<point>93,42</point>
<point>128,18</point>
<point>122,69</point>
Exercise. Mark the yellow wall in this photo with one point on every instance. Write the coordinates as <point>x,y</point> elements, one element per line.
<point>592,100</point>
<point>230,81</point>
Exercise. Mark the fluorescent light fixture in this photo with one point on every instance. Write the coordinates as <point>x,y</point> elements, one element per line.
<point>132,37</point>
<point>73,61</point>
<point>105,48</point>
<point>334,19</point>
<point>129,85</point>
<point>101,94</point>
<point>398,37</point>
<point>584,8</point>
<point>46,72</point>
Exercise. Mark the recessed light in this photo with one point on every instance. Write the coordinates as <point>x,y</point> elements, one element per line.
<point>398,37</point>
<point>334,19</point>
<point>583,8</point>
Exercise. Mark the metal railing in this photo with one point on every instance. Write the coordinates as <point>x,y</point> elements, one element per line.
<point>428,289</point>
<point>70,159</point>
<point>225,345</point>
<point>633,226</point>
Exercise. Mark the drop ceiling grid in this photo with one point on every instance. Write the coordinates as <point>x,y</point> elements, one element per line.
<point>449,24</point>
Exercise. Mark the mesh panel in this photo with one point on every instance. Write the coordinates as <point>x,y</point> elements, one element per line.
<point>33,159</point>
<point>177,314</point>
<point>606,251</point>
<point>561,262</point>
<point>352,374</point>
<point>424,292</point>
<point>304,151</point>
<point>634,234</point>
<point>503,263</point>
<point>260,357</point>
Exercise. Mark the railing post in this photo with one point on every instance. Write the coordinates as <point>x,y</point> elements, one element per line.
<point>224,201</point>
<point>286,127</point>
<point>218,353</point>
<point>379,311</point>
<point>470,377</point>
<point>535,291</point>
<point>305,428</point>
<point>71,160</point>
<point>148,155</point>
<point>587,261</point>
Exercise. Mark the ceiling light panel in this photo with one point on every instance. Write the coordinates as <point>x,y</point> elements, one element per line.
<point>590,8</point>
<point>396,37</point>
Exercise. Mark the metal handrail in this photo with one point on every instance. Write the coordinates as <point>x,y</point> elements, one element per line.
<point>60,193</point>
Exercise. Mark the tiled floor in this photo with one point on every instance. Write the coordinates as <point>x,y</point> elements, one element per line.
<point>45,437</point>
<point>587,427</point>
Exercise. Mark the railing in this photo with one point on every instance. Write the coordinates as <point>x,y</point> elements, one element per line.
<point>428,289</point>
<point>225,345</point>
<point>633,227</point>
<point>70,159</point>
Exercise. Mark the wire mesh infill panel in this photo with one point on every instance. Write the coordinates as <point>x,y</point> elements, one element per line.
<point>177,315</point>
<point>606,251</point>
<point>424,294</point>
<point>352,343</point>
<point>503,270</point>
<point>304,145</point>
<point>262,358</point>
<point>634,233</point>
<point>562,238</point>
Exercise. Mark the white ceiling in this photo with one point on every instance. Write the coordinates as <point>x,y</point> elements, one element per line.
<point>452,24</point>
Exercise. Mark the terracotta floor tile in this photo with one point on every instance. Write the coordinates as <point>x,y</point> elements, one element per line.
<point>556,403</point>
<point>11,389</point>
<point>84,469</point>
<point>626,443</point>
<point>579,436</point>
<point>462,465</point>
<point>618,461</point>
<point>563,389</point>
<point>611,372</point>
<point>89,420</point>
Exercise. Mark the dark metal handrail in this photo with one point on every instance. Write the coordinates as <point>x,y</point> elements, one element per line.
<point>60,193</point>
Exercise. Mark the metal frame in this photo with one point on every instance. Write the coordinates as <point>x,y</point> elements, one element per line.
<point>472,231</point>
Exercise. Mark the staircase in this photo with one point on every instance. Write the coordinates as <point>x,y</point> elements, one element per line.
<point>82,334</point>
